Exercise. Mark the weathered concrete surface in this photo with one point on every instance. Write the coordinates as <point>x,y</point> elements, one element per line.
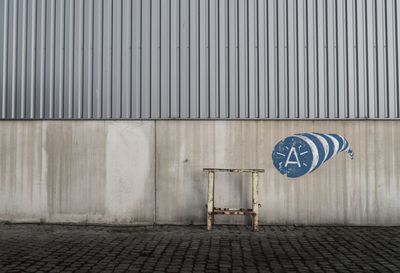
<point>364,191</point>
<point>130,172</point>
<point>23,189</point>
<point>77,171</point>
<point>135,172</point>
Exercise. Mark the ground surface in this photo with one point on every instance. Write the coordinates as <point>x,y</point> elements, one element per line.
<point>57,248</point>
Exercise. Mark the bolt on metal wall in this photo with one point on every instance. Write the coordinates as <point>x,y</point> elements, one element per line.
<point>199,59</point>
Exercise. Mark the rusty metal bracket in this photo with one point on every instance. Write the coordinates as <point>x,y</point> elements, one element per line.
<point>212,211</point>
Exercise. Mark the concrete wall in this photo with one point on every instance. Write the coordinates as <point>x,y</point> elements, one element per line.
<point>97,172</point>
<point>143,172</point>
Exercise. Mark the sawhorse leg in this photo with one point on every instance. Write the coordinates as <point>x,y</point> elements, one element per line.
<point>210,201</point>
<point>255,200</point>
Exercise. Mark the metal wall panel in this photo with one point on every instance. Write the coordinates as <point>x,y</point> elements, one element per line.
<point>255,59</point>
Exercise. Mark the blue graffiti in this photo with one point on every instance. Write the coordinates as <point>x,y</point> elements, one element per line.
<point>301,154</point>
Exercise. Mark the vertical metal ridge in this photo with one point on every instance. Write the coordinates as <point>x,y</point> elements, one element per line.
<point>61,74</point>
<point>227,61</point>
<point>130,109</point>
<point>238,61</point>
<point>42,60</point>
<point>307,64</point>
<point>150,51</point>
<point>367,112</point>
<point>317,108</point>
<point>208,60</point>
<point>376,59</point>
<point>267,60</point>
<point>14,60</point>
<point>178,104</point>
<point>5,61</point>
<point>101,52</point>
<point>387,98</point>
<point>357,99</point>
<point>32,76</point>
<point>141,60</point>
<point>287,78</point>
<point>71,61</point>
<point>189,91</point>
<point>90,60</point>
<point>347,98</point>
<point>218,96</point>
<point>199,50</point>
<point>111,58</point>
<point>397,74</point>
<point>276,61</point>
<point>170,66</point>
<point>160,70</point>
<point>81,62</point>
<point>326,56</point>
<point>336,46</point>
<point>23,58</point>
<point>257,97</point>
<point>121,65</point>
<point>247,97</point>
<point>297,102</point>
<point>52,59</point>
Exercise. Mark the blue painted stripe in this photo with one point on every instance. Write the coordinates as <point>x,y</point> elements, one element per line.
<point>339,139</point>
<point>331,145</point>
<point>345,145</point>
<point>320,148</point>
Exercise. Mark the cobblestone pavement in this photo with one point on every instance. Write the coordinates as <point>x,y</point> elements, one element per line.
<point>66,248</point>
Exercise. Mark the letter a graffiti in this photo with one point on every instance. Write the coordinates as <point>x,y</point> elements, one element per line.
<point>288,161</point>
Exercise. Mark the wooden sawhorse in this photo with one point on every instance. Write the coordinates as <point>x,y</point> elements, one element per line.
<point>212,211</point>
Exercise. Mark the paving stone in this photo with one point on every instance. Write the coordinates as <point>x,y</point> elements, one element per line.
<point>76,248</point>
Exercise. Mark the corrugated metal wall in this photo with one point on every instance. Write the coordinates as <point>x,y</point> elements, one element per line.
<point>199,59</point>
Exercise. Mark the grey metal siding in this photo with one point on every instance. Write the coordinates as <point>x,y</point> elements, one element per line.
<point>199,59</point>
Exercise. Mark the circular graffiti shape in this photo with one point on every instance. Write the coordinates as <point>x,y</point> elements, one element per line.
<point>299,154</point>
<point>293,156</point>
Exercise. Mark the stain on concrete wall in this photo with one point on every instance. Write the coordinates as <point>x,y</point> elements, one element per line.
<point>130,170</point>
<point>23,192</point>
<point>74,171</point>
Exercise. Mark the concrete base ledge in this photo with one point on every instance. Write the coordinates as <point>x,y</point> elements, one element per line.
<point>150,172</point>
